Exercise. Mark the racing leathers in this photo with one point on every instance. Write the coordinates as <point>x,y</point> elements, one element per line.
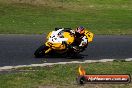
<point>81,40</point>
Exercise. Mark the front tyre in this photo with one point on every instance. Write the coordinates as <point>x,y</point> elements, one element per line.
<point>40,52</point>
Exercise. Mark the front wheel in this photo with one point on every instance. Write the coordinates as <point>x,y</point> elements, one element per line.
<point>40,52</point>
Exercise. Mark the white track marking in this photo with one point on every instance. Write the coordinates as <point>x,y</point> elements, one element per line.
<point>48,64</point>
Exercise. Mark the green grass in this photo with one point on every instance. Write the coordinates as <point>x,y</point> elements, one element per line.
<point>63,76</point>
<point>38,16</point>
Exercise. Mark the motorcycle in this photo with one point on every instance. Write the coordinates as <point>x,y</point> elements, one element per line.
<point>59,42</point>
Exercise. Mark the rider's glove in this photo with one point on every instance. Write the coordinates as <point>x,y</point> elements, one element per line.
<point>72,31</point>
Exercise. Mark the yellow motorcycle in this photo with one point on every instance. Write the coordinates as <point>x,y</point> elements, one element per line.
<point>59,42</point>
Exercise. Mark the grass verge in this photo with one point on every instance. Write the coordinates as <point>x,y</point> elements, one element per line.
<point>38,16</point>
<point>63,76</point>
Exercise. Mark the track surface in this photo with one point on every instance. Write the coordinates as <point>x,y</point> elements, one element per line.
<point>19,49</point>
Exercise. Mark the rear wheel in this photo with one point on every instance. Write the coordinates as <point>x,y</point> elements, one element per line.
<point>40,52</point>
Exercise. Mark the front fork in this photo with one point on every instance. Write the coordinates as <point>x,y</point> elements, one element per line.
<point>48,50</point>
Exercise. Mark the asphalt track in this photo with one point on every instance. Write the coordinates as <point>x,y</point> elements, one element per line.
<point>19,49</point>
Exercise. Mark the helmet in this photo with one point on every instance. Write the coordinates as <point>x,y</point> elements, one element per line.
<point>80,30</point>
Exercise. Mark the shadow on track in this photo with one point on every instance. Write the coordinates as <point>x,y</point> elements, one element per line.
<point>79,56</point>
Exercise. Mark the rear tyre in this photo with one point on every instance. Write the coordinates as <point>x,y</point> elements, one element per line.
<point>40,52</point>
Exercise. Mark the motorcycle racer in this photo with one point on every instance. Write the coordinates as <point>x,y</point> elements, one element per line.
<point>81,35</point>
<point>81,38</point>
